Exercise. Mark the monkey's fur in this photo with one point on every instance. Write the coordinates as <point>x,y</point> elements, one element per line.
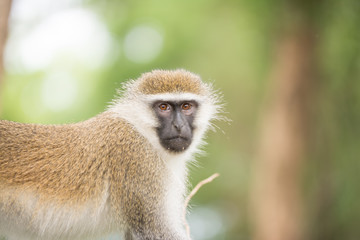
<point>106,174</point>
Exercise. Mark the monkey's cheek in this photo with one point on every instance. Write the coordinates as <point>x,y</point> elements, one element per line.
<point>177,144</point>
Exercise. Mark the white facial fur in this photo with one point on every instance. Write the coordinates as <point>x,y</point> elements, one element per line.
<point>139,112</point>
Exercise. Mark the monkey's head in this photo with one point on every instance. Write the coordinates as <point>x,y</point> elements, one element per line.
<point>172,109</point>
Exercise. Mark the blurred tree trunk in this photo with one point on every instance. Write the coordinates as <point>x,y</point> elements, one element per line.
<point>277,192</point>
<point>5,6</point>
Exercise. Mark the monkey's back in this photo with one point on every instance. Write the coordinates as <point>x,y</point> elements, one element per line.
<point>64,160</point>
<point>78,169</point>
<point>44,157</point>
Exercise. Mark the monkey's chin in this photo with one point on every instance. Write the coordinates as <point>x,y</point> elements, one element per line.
<point>176,144</point>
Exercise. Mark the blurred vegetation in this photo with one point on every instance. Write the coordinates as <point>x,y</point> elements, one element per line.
<point>231,44</point>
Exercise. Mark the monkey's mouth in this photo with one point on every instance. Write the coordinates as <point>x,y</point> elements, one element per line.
<point>176,143</point>
<point>179,138</point>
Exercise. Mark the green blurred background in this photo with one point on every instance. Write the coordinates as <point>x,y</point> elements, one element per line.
<point>65,59</point>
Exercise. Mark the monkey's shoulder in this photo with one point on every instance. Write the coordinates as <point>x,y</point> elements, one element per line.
<point>114,129</point>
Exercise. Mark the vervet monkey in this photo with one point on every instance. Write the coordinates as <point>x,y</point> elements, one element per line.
<point>122,170</point>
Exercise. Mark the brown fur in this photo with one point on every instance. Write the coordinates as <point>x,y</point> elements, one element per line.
<point>159,81</point>
<point>48,158</point>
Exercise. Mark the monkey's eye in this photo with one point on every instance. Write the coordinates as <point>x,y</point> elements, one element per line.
<point>164,107</point>
<point>186,106</point>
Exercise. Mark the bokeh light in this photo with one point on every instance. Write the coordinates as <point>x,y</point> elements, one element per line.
<point>59,91</point>
<point>143,44</point>
<point>74,35</point>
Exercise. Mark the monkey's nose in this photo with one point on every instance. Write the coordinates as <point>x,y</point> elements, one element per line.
<point>178,123</point>
<point>178,126</point>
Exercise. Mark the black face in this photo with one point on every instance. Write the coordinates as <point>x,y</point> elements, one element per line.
<point>176,124</point>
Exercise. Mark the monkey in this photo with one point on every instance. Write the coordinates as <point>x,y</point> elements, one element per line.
<point>124,170</point>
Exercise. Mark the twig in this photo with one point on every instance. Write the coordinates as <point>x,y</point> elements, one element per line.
<point>188,198</point>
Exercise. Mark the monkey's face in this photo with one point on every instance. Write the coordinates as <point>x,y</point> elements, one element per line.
<point>171,109</point>
<point>176,127</point>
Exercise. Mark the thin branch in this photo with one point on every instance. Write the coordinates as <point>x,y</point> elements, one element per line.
<point>192,193</point>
